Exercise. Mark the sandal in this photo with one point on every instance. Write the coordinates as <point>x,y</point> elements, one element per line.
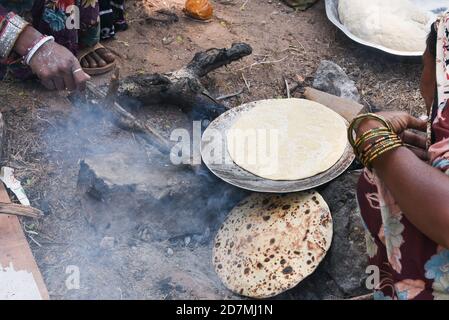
<point>99,70</point>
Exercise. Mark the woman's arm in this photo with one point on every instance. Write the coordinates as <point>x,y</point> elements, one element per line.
<point>53,64</point>
<point>421,191</point>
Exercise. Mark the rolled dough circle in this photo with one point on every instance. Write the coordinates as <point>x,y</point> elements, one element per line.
<point>398,24</point>
<point>287,139</point>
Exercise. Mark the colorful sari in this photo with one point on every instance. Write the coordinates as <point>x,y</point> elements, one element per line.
<point>97,19</point>
<point>411,265</point>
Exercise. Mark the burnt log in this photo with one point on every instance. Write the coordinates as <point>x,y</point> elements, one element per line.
<point>183,87</point>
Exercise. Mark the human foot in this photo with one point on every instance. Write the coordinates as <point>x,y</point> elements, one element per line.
<point>96,60</point>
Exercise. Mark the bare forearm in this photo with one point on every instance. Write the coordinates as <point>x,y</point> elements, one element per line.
<point>421,191</point>
<point>26,39</point>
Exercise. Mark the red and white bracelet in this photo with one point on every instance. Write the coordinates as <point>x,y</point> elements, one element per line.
<point>35,47</point>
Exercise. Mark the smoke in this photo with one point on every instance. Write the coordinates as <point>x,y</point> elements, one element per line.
<point>122,197</point>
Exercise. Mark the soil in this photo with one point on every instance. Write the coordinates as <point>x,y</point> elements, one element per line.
<point>288,45</point>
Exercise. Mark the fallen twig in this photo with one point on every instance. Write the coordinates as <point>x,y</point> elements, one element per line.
<point>287,88</point>
<point>128,120</point>
<point>364,297</point>
<point>247,84</point>
<point>262,63</point>
<point>20,210</point>
<point>232,95</point>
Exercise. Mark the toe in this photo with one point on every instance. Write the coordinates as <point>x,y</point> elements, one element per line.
<point>100,62</point>
<point>91,61</point>
<point>105,54</point>
<point>84,63</point>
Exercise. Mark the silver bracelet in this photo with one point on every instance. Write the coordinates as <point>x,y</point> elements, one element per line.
<point>13,27</point>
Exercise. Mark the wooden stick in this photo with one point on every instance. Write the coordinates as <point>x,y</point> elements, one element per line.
<point>126,119</point>
<point>287,88</point>
<point>363,298</point>
<point>15,251</point>
<point>20,210</point>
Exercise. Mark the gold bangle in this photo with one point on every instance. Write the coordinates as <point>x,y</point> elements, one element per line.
<point>355,122</point>
<point>378,149</point>
<point>395,146</point>
<point>370,135</point>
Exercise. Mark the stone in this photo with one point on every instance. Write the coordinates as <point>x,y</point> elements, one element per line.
<point>331,78</point>
<point>347,260</point>
<point>342,273</point>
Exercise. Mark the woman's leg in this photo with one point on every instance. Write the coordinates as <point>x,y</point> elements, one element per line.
<point>112,18</point>
<point>89,35</point>
<point>51,18</point>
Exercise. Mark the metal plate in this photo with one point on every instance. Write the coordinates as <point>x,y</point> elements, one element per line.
<point>214,137</point>
<point>434,7</point>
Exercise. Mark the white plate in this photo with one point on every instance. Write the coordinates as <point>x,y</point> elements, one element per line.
<point>434,7</point>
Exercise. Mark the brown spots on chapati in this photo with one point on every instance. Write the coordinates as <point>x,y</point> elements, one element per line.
<point>305,235</point>
<point>272,243</point>
<point>287,270</point>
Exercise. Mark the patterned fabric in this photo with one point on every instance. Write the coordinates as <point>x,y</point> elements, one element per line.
<point>439,151</point>
<point>411,265</point>
<point>52,17</point>
<point>112,15</point>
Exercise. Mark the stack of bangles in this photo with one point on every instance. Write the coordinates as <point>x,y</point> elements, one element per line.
<point>11,27</point>
<point>372,143</point>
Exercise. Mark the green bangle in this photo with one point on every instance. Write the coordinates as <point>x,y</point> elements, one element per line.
<point>356,121</point>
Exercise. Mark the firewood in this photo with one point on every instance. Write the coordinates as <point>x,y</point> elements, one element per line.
<point>20,210</point>
<point>183,87</point>
<point>125,119</point>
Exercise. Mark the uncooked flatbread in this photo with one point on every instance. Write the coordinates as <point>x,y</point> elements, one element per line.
<point>287,139</point>
<point>270,243</point>
<point>398,24</point>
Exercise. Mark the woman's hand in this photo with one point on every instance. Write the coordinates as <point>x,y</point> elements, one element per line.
<point>401,123</point>
<point>56,66</point>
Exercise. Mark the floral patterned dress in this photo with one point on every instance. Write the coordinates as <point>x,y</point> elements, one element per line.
<point>411,265</point>
<point>50,17</point>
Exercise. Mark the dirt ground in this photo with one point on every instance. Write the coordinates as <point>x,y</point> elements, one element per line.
<point>287,45</point>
